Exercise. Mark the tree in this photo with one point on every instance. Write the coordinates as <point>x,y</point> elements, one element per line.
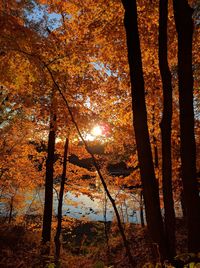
<point>191,196</point>
<point>48,202</point>
<point>151,193</point>
<point>166,130</point>
<point>60,201</point>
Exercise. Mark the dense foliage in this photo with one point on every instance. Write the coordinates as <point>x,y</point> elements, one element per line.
<point>101,99</point>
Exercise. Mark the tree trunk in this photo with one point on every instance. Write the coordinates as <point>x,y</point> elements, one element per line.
<point>151,191</point>
<point>184,27</point>
<point>11,210</point>
<point>141,209</point>
<point>166,131</point>
<point>48,203</point>
<point>60,202</point>
<point>106,226</point>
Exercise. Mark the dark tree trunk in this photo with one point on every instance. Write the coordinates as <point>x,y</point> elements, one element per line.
<point>11,210</point>
<point>184,27</point>
<point>48,202</point>
<point>47,217</point>
<point>166,130</point>
<point>151,191</point>
<point>60,202</point>
<point>106,226</point>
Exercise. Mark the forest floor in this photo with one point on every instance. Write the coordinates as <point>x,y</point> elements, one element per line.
<point>85,244</point>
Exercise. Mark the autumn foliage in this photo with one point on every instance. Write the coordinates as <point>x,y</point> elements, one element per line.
<point>130,68</point>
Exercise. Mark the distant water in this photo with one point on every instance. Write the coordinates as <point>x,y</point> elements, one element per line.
<point>82,206</point>
<point>94,209</point>
<point>79,205</point>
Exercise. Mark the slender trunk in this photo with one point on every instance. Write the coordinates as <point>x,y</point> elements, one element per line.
<point>60,202</point>
<point>106,226</point>
<point>141,209</point>
<point>122,215</point>
<point>184,27</point>
<point>165,125</point>
<point>126,210</point>
<point>48,202</point>
<point>11,210</point>
<point>119,223</point>
<point>151,191</point>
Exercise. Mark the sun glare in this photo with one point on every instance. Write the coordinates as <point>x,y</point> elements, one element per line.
<point>97,131</point>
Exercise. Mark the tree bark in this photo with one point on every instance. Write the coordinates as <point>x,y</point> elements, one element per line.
<point>184,27</point>
<point>60,202</point>
<point>165,125</point>
<point>48,203</point>
<point>151,191</point>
